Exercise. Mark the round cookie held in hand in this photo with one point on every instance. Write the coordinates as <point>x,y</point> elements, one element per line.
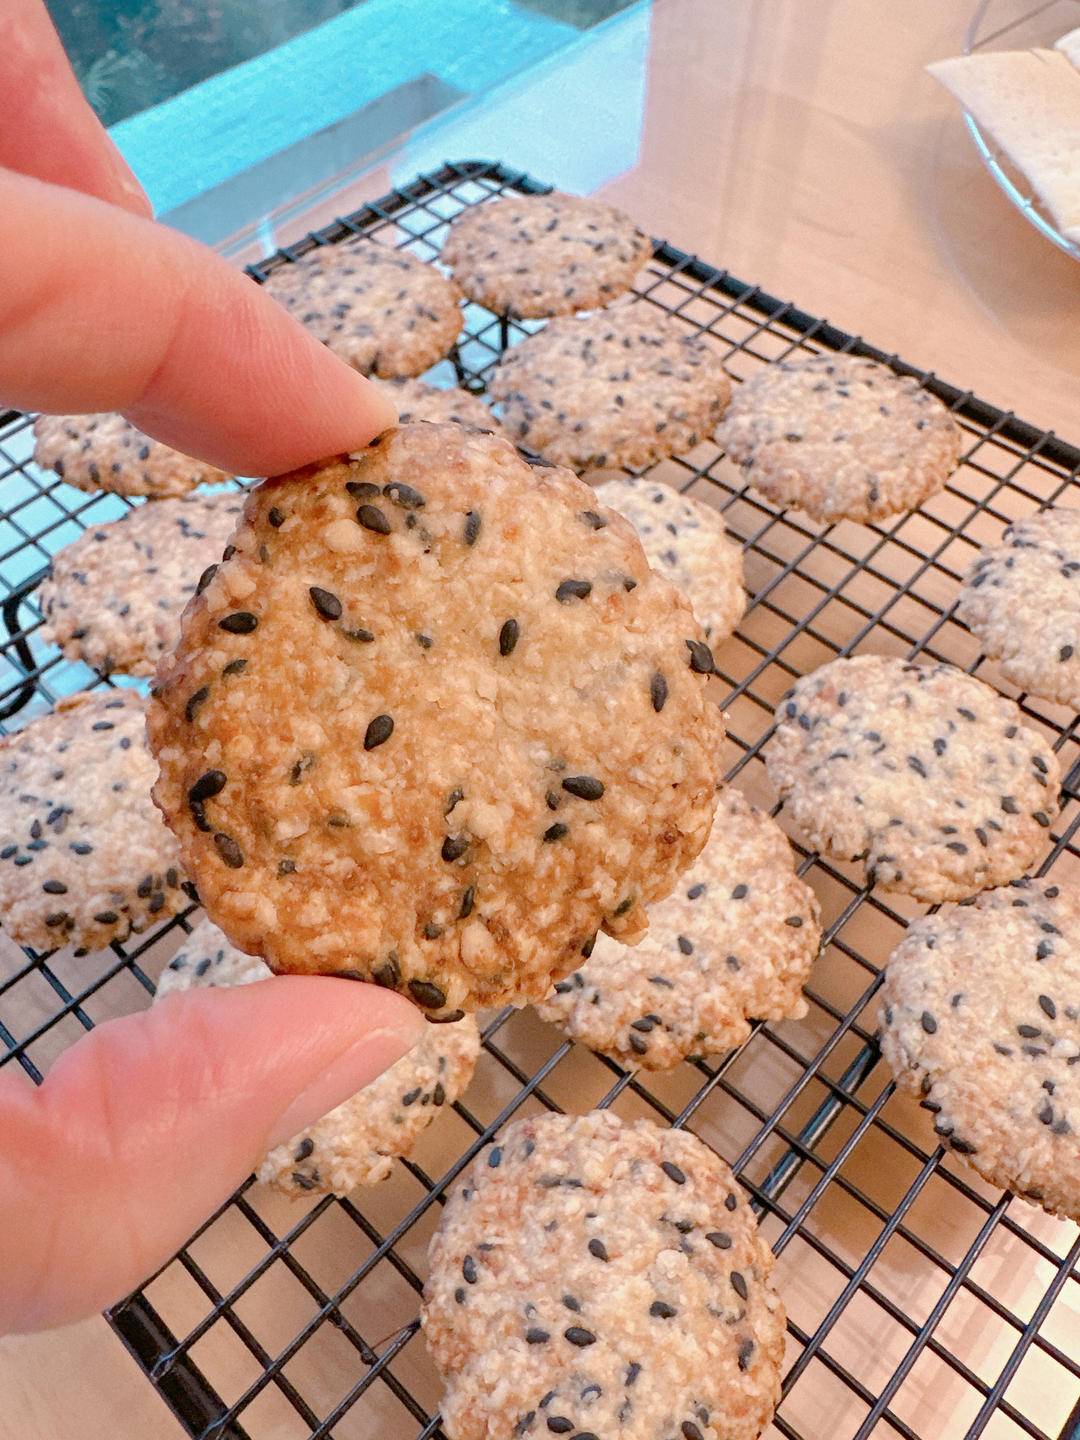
<point>107,452</point>
<point>590,1277</point>
<point>618,387</point>
<point>357,1142</point>
<point>383,311</point>
<point>981,1020</point>
<point>734,942</point>
<point>840,437</point>
<point>1022,599</point>
<point>537,255</point>
<point>434,723</point>
<point>115,595</point>
<point>84,857</point>
<point>924,771</point>
<point>686,542</point>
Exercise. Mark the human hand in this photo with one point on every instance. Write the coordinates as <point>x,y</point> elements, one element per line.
<point>146,1124</point>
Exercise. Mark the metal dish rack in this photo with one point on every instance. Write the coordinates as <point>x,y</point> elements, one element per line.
<point>922,1302</point>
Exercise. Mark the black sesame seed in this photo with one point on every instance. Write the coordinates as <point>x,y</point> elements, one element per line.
<point>240,622</point>
<point>718,1238</point>
<point>1028,1032</point>
<point>696,891</point>
<point>555,832</point>
<point>731,1202</point>
<point>454,846</point>
<point>594,521</point>
<point>304,1149</point>
<point>205,578</point>
<point>1065,653</point>
<point>229,850</point>
<point>473,521</point>
<point>1047,1006</point>
<point>559,1424</point>
<point>633,1370</point>
<point>661,1310</point>
<point>207,786</point>
<point>404,495</point>
<point>468,1269</point>
<point>235,667</point>
<point>685,945</point>
<point>459,1295</point>
<point>54,887</point>
<point>425,993</point>
<point>598,1248</point>
<point>573,590</point>
<point>579,1336</point>
<point>107,917</point>
<point>495,1158</point>
<point>1009,805</point>
<point>373,519</point>
<point>794,921</point>
<point>438,1095</point>
<point>929,1024</point>
<point>508,636</point>
<point>738,1284</point>
<point>746,1350</point>
<point>467,902</point>
<point>690,1431</point>
<point>362,489</point>
<point>589,946</point>
<point>452,799</point>
<point>360,636</point>
<point>378,731</point>
<point>658,690</point>
<point>327,604</point>
<point>536,1336</point>
<point>585,787</point>
<point>701,658</point>
<point>275,516</point>
<point>411,1097</point>
<point>194,701</point>
<point>673,1172</point>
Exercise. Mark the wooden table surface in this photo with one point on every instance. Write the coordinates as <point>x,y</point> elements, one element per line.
<point>801,146</point>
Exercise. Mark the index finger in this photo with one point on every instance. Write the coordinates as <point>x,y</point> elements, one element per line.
<point>104,310</point>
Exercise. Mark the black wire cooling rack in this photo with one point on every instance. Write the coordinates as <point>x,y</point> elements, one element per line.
<point>922,1302</point>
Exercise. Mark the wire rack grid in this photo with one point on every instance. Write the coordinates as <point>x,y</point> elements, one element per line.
<point>921,1302</point>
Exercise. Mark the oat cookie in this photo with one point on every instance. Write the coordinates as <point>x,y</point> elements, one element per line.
<point>435,721</point>
<point>107,452</point>
<point>924,771</point>
<point>590,1277</point>
<point>734,942</point>
<point>417,401</point>
<point>1022,599</point>
<point>618,387</point>
<point>382,310</point>
<point>534,255</point>
<point>981,1017</point>
<point>840,437</point>
<point>356,1143</point>
<point>685,540</point>
<point>84,856</point>
<point>115,595</point>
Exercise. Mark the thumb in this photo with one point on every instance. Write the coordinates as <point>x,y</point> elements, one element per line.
<point>146,1125</point>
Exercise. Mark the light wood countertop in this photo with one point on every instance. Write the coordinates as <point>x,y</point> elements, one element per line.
<point>801,146</point>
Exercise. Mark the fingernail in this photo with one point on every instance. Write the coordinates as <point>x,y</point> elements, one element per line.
<point>343,1077</point>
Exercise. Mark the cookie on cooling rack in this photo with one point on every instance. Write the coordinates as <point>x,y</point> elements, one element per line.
<point>590,1277</point>
<point>114,596</point>
<point>417,401</point>
<point>435,721</point>
<point>734,942</point>
<point>382,310</point>
<point>922,770</point>
<point>536,255</point>
<point>618,387</point>
<point>107,452</point>
<point>981,1018</point>
<point>356,1143</point>
<point>84,856</point>
<point>840,437</point>
<point>685,540</point>
<point>1022,599</point>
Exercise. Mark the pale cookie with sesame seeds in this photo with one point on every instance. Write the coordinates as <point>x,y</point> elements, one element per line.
<point>107,452</point>
<point>591,1277</point>
<point>923,771</point>
<point>357,1142</point>
<point>734,942</point>
<point>84,857</point>
<point>383,311</point>
<point>417,401</point>
<point>114,597</point>
<point>617,387</point>
<point>685,540</point>
<point>435,722</point>
<point>537,255</point>
<point>981,1019</point>
<point>1022,599</point>
<point>840,437</point>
